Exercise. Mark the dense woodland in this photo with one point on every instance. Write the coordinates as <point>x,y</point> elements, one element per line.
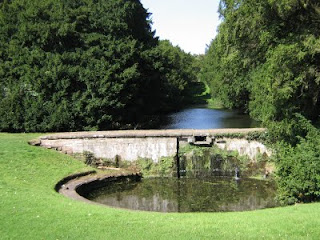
<point>265,61</point>
<point>69,65</point>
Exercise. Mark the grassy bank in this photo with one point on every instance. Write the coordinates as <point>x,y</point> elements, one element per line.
<point>31,209</point>
<point>199,94</point>
<point>213,103</point>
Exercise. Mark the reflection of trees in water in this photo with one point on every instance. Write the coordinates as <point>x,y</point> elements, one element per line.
<point>152,203</point>
<point>190,195</point>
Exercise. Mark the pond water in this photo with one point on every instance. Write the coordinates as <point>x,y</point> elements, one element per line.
<point>205,194</point>
<point>218,194</point>
<point>201,117</point>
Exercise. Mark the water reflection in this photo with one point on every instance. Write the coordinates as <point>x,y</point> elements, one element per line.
<point>188,195</point>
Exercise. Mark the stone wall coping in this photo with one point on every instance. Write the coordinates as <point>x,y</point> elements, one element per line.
<point>74,184</point>
<point>149,133</point>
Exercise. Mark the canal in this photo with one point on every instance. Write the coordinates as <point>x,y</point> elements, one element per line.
<point>201,117</point>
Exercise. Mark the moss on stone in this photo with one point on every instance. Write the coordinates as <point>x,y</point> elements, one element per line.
<point>164,168</point>
<point>212,161</point>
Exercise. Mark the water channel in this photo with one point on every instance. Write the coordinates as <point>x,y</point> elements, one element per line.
<point>201,117</point>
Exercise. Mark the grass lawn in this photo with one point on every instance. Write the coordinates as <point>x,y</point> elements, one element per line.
<point>31,209</point>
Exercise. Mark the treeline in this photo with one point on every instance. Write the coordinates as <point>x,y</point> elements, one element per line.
<point>265,60</point>
<point>68,65</point>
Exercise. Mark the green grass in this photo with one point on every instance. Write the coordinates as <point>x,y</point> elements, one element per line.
<point>31,209</point>
<point>215,104</point>
<point>201,95</point>
<point>212,103</point>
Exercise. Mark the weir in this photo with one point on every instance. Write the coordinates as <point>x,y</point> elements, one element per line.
<point>132,145</point>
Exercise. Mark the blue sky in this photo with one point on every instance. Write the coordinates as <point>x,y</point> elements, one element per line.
<point>191,24</point>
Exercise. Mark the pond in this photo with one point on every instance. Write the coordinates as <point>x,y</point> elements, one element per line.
<point>197,192</point>
<point>201,117</point>
<point>215,194</point>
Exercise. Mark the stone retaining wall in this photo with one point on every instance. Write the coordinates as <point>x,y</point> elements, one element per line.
<point>252,149</point>
<point>129,149</point>
<point>151,144</point>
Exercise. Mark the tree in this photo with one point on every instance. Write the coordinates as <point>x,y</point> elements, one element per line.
<point>265,59</point>
<point>178,70</point>
<point>75,65</point>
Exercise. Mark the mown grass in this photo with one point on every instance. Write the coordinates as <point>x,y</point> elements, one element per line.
<point>31,209</point>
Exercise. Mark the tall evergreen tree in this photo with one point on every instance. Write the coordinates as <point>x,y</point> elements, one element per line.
<point>265,59</point>
<point>75,64</point>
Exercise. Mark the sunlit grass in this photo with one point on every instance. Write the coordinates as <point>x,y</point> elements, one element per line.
<point>212,103</point>
<point>215,104</point>
<point>31,209</point>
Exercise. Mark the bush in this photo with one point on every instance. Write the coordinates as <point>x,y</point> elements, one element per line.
<point>298,170</point>
<point>89,158</point>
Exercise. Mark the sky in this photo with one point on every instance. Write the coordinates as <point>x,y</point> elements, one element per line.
<point>190,24</point>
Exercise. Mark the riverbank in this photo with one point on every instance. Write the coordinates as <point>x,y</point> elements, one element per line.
<point>200,94</point>
<point>32,209</point>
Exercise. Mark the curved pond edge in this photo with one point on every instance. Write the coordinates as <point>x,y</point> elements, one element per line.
<point>76,186</point>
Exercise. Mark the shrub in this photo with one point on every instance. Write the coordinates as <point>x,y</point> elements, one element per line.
<point>298,169</point>
<point>89,158</point>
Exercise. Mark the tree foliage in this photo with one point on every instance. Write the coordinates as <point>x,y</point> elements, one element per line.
<point>266,60</point>
<point>178,72</point>
<point>81,64</point>
<point>299,170</point>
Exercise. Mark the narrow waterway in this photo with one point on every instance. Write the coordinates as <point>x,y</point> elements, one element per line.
<point>201,117</point>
